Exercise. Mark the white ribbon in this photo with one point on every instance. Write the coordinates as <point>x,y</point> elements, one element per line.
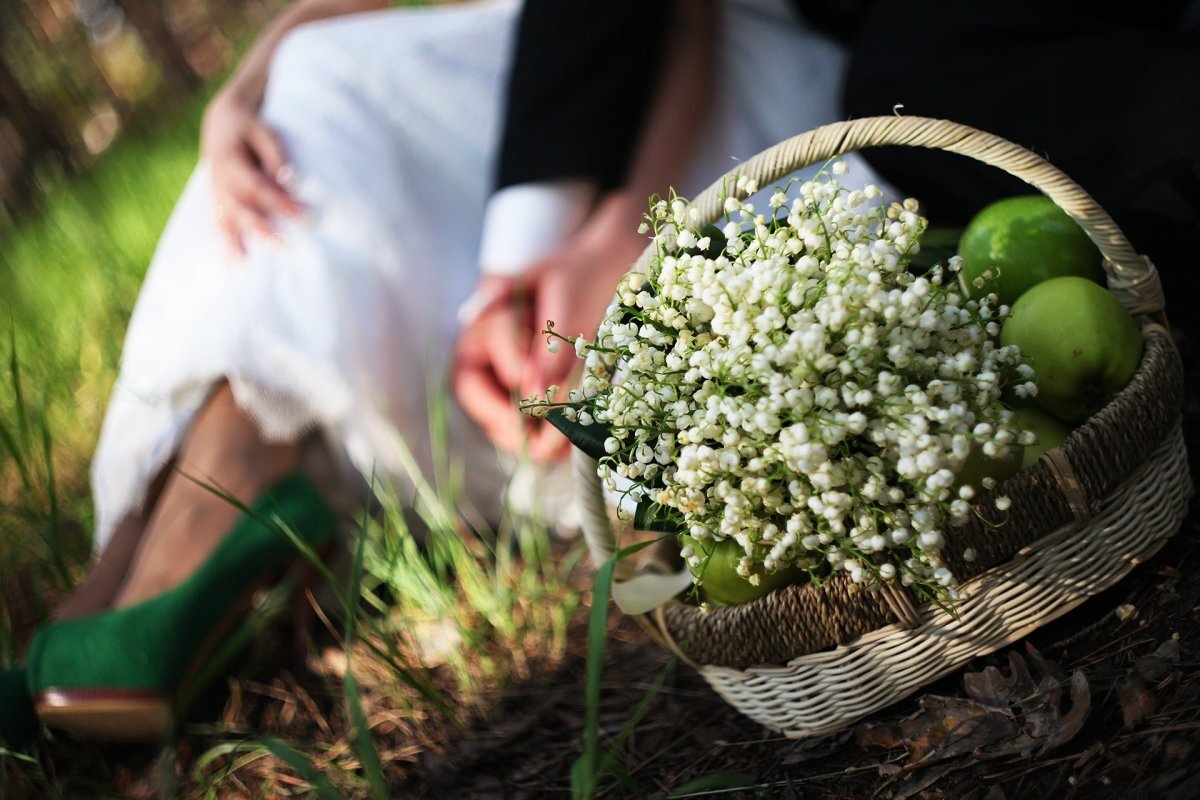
<point>647,591</point>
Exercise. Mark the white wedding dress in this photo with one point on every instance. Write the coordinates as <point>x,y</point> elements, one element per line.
<point>346,324</point>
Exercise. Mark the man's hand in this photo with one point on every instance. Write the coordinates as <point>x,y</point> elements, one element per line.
<point>248,163</point>
<point>503,355</point>
<point>574,285</point>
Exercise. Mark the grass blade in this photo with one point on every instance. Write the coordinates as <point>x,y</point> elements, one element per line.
<point>412,681</point>
<point>584,775</point>
<point>14,451</point>
<point>717,782</point>
<point>364,742</point>
<point>354,588</point>
<point>618,770</point>
<point>303,766</point>
<point>14,440</point>
<point>55,546</point>
<point>586,771</point>
<point>14,371</point>
<point>639,713</point>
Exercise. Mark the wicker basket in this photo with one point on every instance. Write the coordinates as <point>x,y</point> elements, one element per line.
<point>807,660</point>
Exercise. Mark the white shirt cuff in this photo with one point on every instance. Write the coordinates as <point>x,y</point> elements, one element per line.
<point>524,222</point>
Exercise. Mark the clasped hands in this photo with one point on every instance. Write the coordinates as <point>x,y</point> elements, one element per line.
<point>503,354</point>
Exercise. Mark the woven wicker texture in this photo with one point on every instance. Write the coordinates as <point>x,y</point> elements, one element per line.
<point>1080,518</point>
<point>823,692</point>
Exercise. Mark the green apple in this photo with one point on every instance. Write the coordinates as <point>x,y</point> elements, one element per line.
<point>1083,346</point>
<point>719,579</point>
<point>1024,240</point>
<point>979,466</point>
<point>1050,431</point>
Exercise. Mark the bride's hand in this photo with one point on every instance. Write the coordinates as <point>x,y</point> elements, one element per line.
<point>490,359</point>
<point>248,163</point>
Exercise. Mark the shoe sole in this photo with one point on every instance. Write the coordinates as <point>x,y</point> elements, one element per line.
<point>119,715</point>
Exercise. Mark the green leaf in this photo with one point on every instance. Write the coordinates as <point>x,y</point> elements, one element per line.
<point>303,766</point>
<point>717,781</point>
<point>657,518</point>
<point>364,742</point>
<point>937,245</point>
<point>588,438</point>
<point>584,774</point>
<point>716,245</point>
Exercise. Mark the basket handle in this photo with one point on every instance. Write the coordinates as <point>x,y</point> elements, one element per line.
<point>1131,277</point>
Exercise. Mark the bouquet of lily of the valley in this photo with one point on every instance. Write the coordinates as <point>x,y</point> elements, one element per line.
<point>792,397</point>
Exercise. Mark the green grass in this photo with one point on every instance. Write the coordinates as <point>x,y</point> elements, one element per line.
<point>69,276</point>
<point>70,272</point>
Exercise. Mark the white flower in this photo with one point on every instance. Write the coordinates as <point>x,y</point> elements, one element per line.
<point>803,394</point>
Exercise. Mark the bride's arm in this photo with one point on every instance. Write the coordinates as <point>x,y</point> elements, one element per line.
<point>249,80</point>
<point>245,155</point>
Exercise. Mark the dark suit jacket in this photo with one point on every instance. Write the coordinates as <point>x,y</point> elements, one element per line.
<point>581,81</point>
<point>582,78</point>
<point>1105,89</point>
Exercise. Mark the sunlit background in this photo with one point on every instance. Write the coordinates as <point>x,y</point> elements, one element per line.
<point>74,75</point>
<point>100,105</point>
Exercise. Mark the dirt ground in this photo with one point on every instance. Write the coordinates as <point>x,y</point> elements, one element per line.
<point>1102,703</point>
<point>1123,718</point>
<point>1133,731</point>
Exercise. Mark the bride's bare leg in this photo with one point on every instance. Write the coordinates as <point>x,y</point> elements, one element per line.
<point>108,570</point>
<point>223,449</point>
<point>106,573</point>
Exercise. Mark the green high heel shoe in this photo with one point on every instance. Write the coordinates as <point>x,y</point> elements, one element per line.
<point>120,674</point>
<point>18,722</point>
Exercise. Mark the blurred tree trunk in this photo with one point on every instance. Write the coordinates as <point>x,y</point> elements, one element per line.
<point>35,135</point>
<point>35,127</point>
<point>146,18</point>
